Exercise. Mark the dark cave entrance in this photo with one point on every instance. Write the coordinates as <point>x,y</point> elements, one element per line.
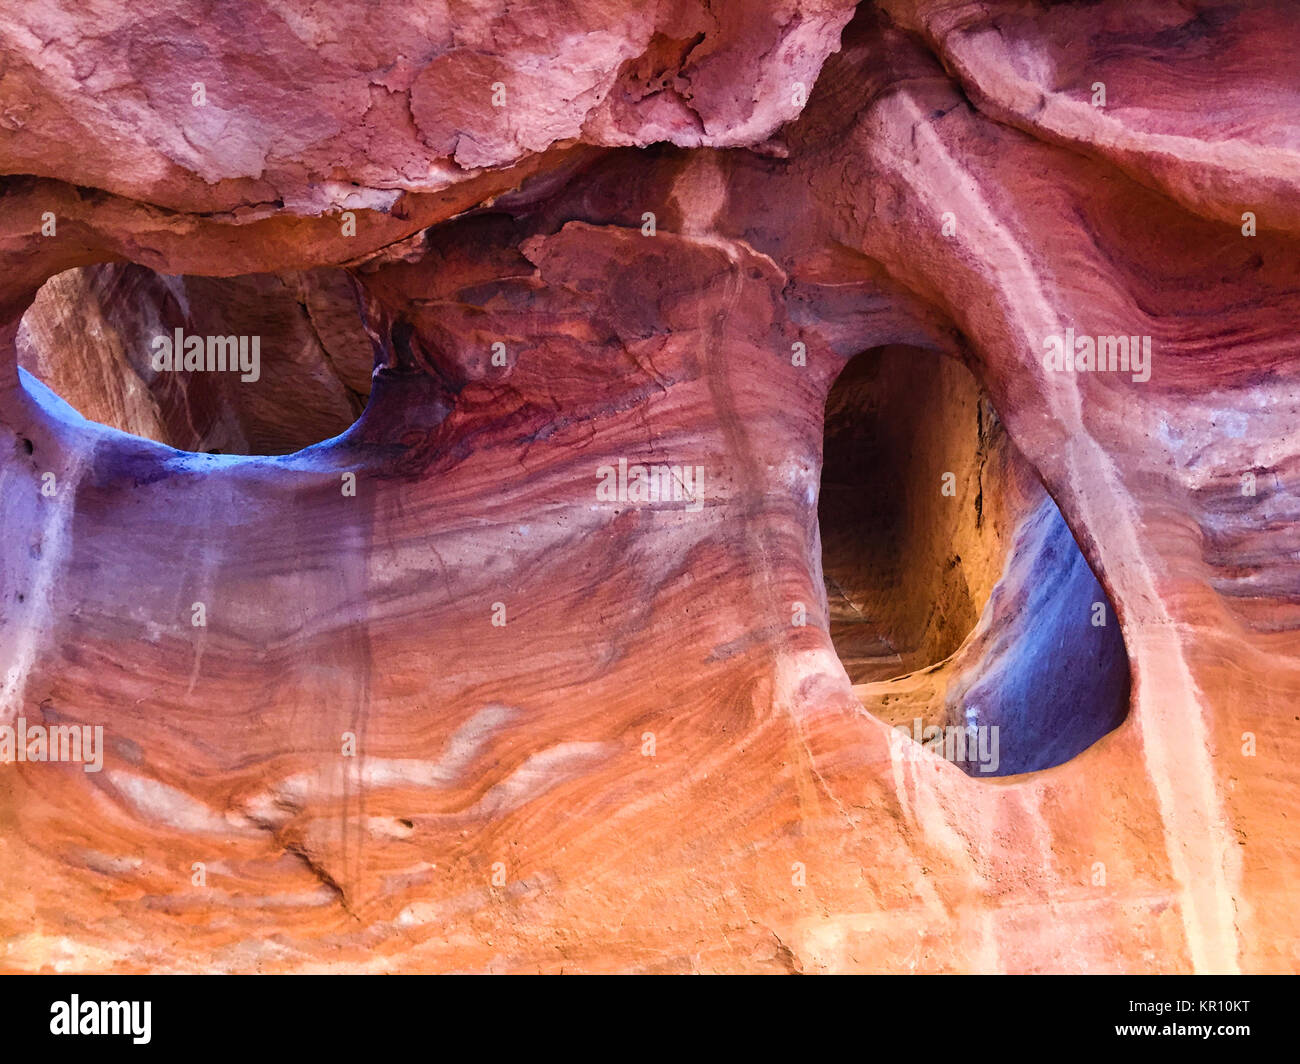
<point>956,595</point>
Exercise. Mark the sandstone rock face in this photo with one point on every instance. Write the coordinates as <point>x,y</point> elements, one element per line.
<point>658,427</point>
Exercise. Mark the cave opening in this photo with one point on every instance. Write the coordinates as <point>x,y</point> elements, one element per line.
<point>262,364</point>
<point>957,598</point>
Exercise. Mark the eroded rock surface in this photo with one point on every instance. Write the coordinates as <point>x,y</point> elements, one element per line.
<point>462,696</point>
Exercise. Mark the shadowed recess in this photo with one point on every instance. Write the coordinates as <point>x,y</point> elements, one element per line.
<point>958,599</point>
<point>297,360</point>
